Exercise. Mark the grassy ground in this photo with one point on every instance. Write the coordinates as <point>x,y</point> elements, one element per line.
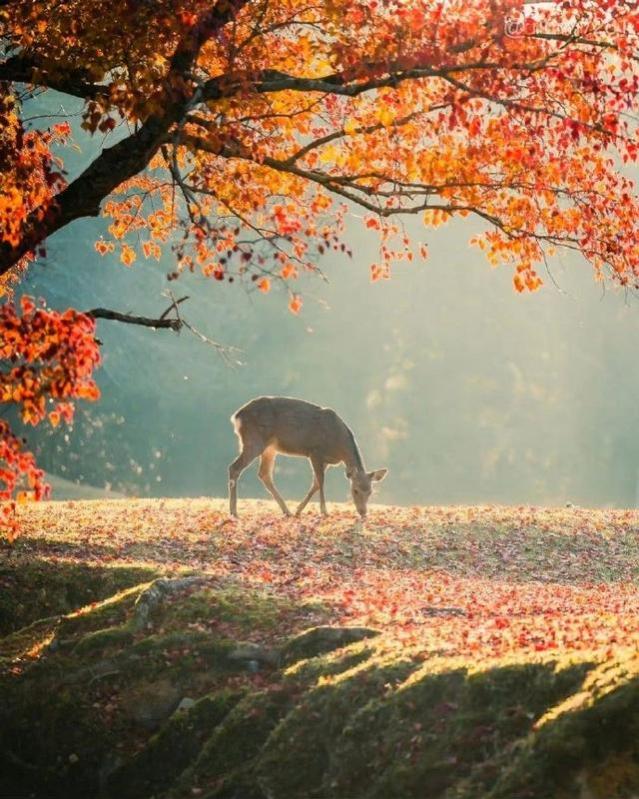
<point>156,648</point>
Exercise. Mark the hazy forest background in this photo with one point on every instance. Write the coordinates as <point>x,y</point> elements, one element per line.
<point>465,390</point>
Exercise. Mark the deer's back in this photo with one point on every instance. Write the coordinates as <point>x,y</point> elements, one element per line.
<point>293,426</point>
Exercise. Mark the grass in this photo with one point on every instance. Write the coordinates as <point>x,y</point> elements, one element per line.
<point>449,652</point>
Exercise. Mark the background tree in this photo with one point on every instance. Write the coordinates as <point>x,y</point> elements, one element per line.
<point>244,131</point>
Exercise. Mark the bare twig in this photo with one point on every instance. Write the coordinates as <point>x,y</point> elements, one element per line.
<point>167,322</point>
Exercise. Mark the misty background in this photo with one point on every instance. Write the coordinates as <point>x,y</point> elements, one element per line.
<point>466,391</point>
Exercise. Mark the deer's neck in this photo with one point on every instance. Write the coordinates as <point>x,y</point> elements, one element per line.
<point>352,457</point>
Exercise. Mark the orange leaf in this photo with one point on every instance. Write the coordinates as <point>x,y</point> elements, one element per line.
<point>127,255</point>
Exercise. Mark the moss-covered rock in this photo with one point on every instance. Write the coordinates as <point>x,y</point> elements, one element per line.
<point>225,763</point>
<point>587,745</point>
<point>444,723</point>
<point>319,640</point>
<point>52,741</point>
<point>101,640</point>
<point>158,765</point>
<point>297,758</point>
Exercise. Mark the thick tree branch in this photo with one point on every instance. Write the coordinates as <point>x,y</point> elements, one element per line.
<point>128,157</point>
<point>83,196</point>
<point>20,69</point>
<point>271,81</point>
<point>275,81</point>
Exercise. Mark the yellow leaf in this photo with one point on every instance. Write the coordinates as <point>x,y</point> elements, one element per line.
<point>350,126</point>
<point>328,154</point>
<point>386,116</point>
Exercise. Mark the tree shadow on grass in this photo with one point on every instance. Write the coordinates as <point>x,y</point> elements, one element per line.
<point>37,588</point>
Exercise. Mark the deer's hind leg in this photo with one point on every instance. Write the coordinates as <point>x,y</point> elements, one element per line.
<point>251,448</point>
<point>267,463</point>
<point>311,493</point>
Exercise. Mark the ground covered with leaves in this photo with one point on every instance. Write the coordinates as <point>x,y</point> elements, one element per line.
<point>158,649</point>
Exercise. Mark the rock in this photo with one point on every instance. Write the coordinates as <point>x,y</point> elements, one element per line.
<point>186,703</point>
<point>319,640</point>
<point>73,758</point>
<point>150,704</point>
<point>247,653</point>
<point>157,592</point>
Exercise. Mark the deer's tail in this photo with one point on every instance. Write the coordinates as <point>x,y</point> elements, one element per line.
<point>236,421</point>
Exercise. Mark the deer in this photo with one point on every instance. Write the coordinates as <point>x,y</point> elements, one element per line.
<point>269,426</point>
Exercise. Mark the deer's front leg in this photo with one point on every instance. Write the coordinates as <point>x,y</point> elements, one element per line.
<point>319,468</point>
<point>323,510</point>
<point>235,470</point>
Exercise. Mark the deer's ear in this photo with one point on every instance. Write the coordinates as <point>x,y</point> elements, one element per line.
<point>378,474</point>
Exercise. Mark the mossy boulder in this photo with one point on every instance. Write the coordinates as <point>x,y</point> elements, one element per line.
<point>158,765</point>
<point>319,640</point>
<point>586,746</point>
<point>226,761</point>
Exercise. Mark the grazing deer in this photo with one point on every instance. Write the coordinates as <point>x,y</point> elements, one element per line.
<point>268,426</point>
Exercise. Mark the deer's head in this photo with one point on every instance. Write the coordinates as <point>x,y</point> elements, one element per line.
<point>362,486</point>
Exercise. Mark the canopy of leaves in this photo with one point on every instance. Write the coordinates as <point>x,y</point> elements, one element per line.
<point>49,359</point>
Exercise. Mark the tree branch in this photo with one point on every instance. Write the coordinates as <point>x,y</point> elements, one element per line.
<point>129,156</point>
<point>20,69</point>
<point>166,322</point>
<point>83,196</point>
<point>170,323</point>
<point>271,80</point>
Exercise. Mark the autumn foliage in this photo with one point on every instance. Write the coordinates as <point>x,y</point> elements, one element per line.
<point>49,359</point>
<point>248,129</point>
<point>477,583</point>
